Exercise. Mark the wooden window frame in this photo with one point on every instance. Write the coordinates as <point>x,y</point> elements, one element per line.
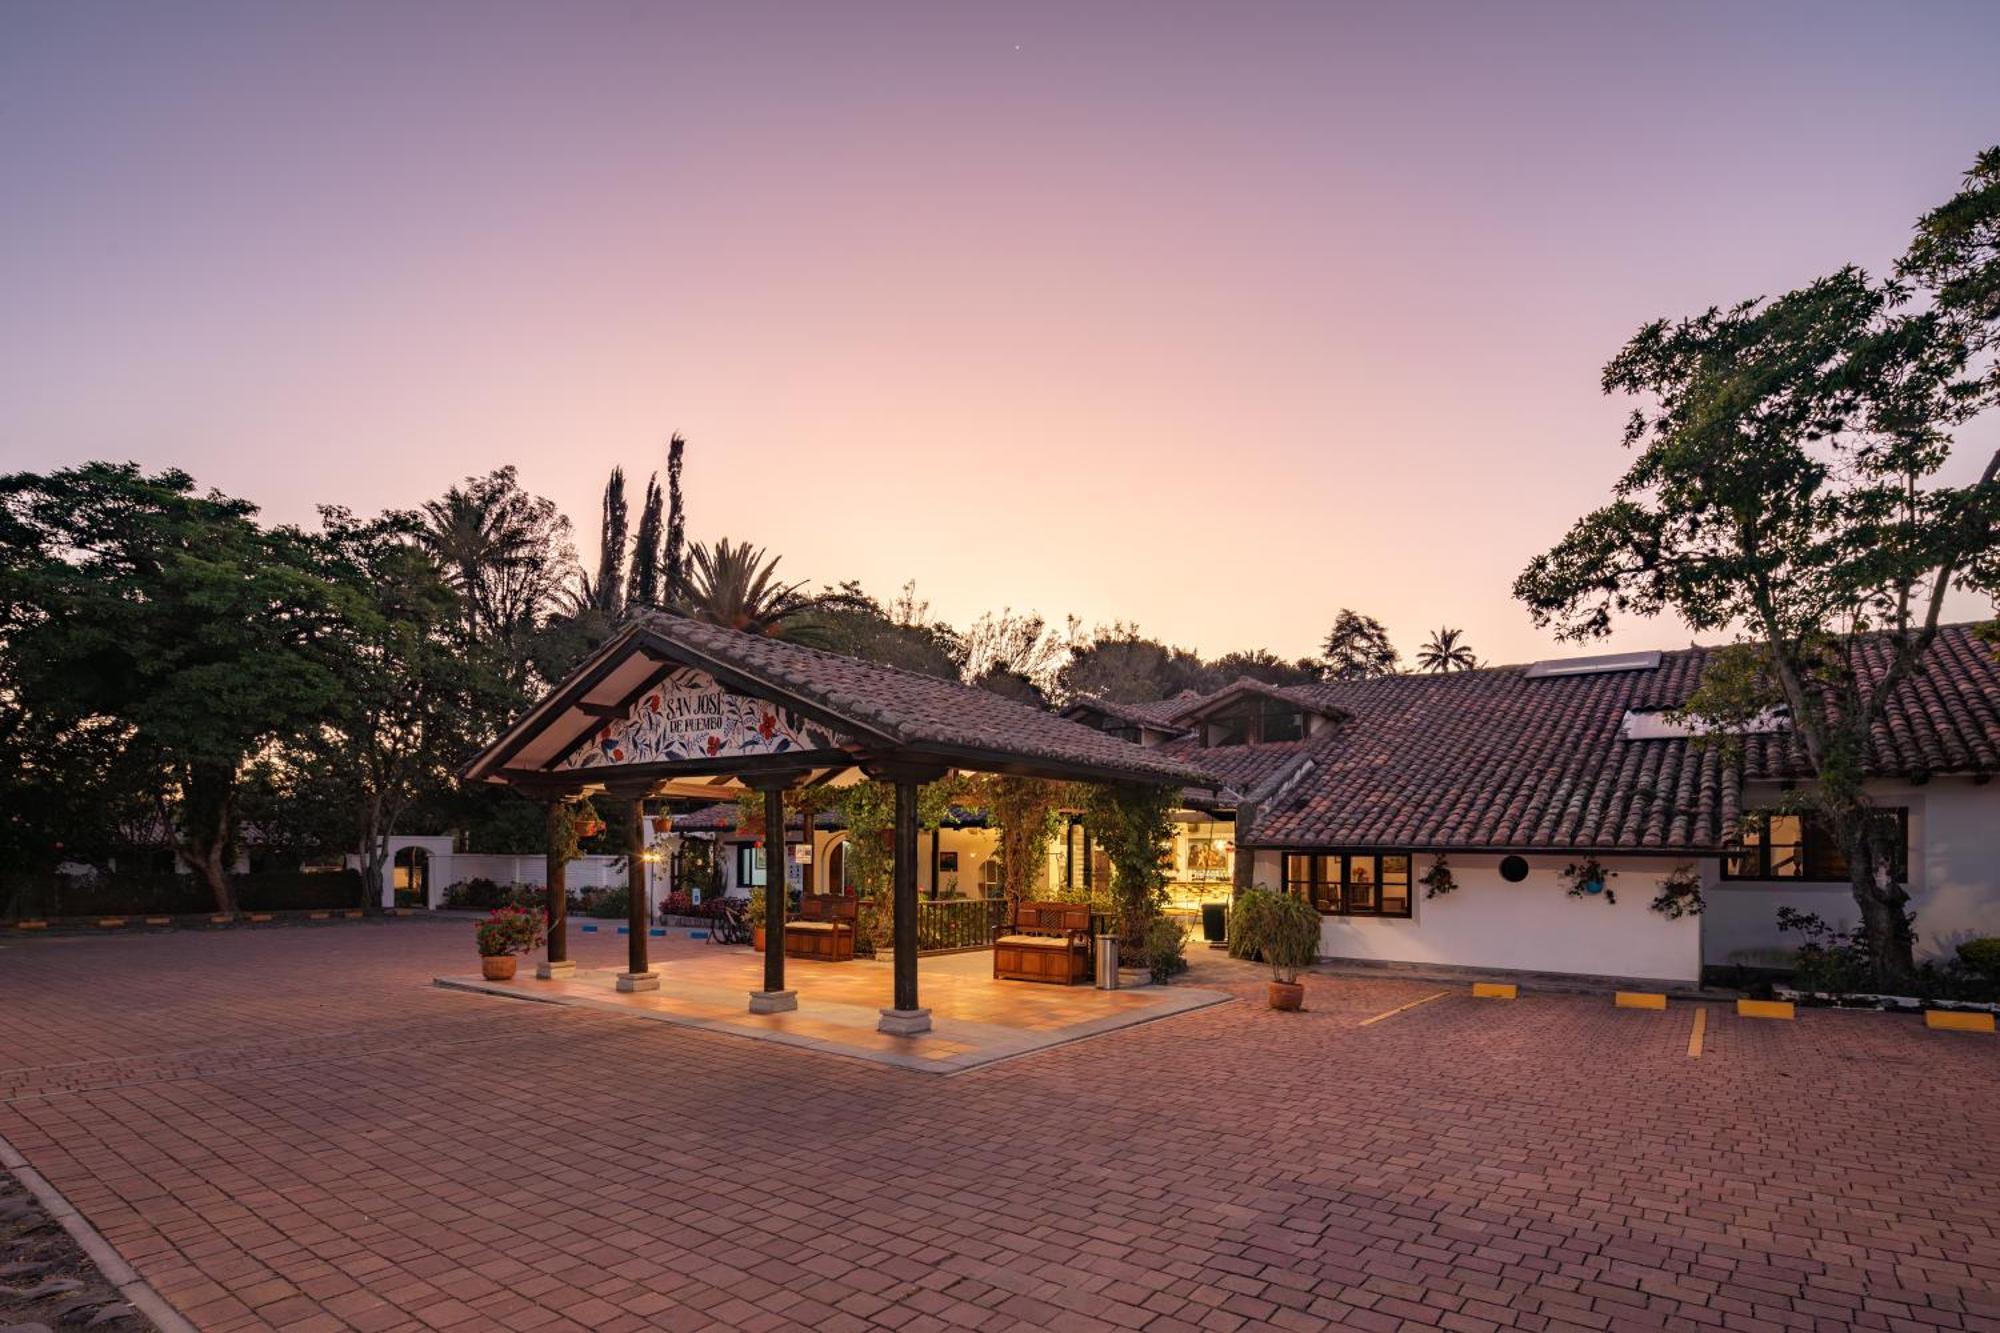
<point>1317,865</point>
<point>1811,863</point>
<point>1255,715</point>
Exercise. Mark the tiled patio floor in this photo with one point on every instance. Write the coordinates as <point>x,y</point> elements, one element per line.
<point>295,1129</point>
<point>976,1020</point>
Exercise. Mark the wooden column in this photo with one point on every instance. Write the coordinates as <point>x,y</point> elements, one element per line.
<point>774,890</point>
<point>906,897</point>
<point>637,975</point>
<point>555,874</point>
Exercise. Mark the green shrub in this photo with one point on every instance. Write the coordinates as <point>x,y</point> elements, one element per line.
<point>1829,962</point>
<point>611,904</point>
<point>298,890</point>
<point>1166,943</point>
<point>1982,956</point>
<point>1280,929</point>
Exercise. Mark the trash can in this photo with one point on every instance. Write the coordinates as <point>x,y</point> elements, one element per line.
<point>1214,922</point>
<point>1107,962</point>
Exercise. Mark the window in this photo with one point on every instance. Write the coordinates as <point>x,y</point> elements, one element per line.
<point>750,866</point>
<point>839,869</point>
<point>1801,848</point>
<point>1254,721</point>
<point>1353,883</point>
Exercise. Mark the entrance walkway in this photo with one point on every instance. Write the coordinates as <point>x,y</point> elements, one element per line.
<point>976,1020</point>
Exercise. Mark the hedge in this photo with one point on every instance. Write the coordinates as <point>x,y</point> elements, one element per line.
<point>29,897</point>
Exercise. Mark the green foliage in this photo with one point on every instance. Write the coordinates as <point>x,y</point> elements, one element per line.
<point>1581,875</point>
<point>1166,949</point>
<point>1133,823</point>
<point>1358,647</point>
<point>606,592</point>
<point>1787,484</point>
<point>673,555</point>
<point>509,556</point>
<point>868,808</point>
<point>1680,893</point>
<point>1982,956</point>
<point>1438,880</point>
<point>737,586</point>
<point>1446,650</point>
<point>754,913</point>
<point>1027,812</point>
<point>847,620</point>
<point>168,626</point>
<point>1123,666</point>
<point>642,587</point>
<point>511,930</point>
<point>1277,928</point>
<point>611,905</point>
<point>1827,961</point>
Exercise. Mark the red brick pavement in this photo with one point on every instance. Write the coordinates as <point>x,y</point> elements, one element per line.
<point>292,1129</point>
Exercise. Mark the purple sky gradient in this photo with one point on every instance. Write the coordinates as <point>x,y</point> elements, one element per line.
<point>1213,317</point>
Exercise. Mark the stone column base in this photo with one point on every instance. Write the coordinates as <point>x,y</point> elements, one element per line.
<point>773,1001</point>
<point>904,1022</point>
<point>633,981</point>
<point>547,971</point>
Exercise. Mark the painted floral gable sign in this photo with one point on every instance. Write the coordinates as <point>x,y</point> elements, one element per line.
<point>689,715</point>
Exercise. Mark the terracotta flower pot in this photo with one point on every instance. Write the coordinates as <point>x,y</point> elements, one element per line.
<point>500,968</point>
<point>1288,996</point>
<point>757,938</point>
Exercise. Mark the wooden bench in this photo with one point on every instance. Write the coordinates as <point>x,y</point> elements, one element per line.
<point>1044,942</point>
<point>824,928</point>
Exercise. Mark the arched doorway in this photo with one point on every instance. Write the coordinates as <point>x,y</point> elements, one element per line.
<point>411,877</point>
<point>839,869</point>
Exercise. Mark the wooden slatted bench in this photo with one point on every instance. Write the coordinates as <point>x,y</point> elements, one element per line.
<point>1044,942</point>
<point>824,928</point>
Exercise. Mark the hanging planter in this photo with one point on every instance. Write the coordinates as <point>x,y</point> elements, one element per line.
<point>1438,880</point>
<point>584,820</point>
<point>1589,879</point>
<point>1680,893</point>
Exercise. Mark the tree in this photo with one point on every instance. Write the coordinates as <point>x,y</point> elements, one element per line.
<point>1133,823</point>
<point>1785,489</point>
<point>412,703</point>
<point>607,591</point>
<point>737,586</point>
<point>1446,650</point>
<point>168,625</point>
<point>642,587</point>
<point>1263,665</point>
<point>673,563</point>
<point>1358,647</point>
<point>509,556</point>
<point>1121,664</point>
<point>1016,655</point>
<point>848,620</point>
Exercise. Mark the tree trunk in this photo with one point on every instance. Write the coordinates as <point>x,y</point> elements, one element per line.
<point>207,801</point>
<point>1884,905</point>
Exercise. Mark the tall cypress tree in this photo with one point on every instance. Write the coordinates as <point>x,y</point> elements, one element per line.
<point>642,587</point>
<point>674,563</point>
<point>608,594</point>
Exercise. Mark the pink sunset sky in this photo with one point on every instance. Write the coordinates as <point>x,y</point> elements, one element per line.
<point>1216,318</point>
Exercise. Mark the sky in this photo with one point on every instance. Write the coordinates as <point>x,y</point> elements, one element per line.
<point>1215,318</point>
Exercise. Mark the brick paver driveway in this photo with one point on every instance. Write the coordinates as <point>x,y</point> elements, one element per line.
<point>291,1128</point>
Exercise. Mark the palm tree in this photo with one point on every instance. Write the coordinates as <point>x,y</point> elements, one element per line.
<point>1446,651</point>
<point>734,585</point>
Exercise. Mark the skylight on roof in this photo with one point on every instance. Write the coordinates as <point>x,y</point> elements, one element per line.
<point>1658,724</point>
<point>1593,666</point>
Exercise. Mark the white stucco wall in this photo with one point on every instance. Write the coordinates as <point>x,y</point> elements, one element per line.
<point>1954,878</point>
<point>1533,926</point>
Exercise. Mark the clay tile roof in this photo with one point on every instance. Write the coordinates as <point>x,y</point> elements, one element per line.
<point>1150,715</point>
<point>1494,759</point>
<point>922,713</point>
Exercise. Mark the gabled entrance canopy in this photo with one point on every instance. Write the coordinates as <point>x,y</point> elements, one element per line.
<point>674,707</point>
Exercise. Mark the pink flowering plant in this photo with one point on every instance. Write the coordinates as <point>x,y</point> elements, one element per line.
<point>511,930</point>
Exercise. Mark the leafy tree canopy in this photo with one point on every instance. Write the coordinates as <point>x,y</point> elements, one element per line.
<point>1358,647</point>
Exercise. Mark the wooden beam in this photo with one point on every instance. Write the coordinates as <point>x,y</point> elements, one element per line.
<point>906,895</point>
<point>556,876</point>
<point>636,920</point>
<point>774,889</point>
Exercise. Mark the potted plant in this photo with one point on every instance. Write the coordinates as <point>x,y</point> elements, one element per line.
<point>505,933</point>
<point>756,918</point>
<point>1284,932</point>
<point>585,820</point>
<point>1588,879</point>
